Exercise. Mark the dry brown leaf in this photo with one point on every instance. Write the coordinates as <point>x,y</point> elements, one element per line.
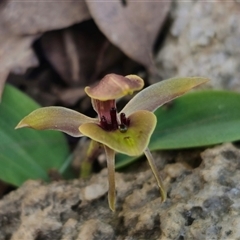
<point>79,53</point>
<point>15,55</point>
<point>70,96</point>
<point>21,22</point>
<point>16,52</point>
<point>36,16</point>
<point>132,27</point>
<point>3,77</point>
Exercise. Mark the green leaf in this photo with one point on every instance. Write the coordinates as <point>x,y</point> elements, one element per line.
<point>194,120</point>
<point>26,153</point>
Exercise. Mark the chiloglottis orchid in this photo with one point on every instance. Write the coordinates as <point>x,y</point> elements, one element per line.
<point>127,131</point>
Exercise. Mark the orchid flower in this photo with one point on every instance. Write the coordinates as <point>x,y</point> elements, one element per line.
<point>126,132</point>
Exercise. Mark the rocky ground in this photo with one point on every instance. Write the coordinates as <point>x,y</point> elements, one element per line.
<point>202,203</point>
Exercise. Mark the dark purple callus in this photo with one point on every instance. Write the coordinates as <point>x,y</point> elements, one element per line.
<point>113,114</point>
<point>104,124</point>
<point>114,124</point>
<point>123,118</point>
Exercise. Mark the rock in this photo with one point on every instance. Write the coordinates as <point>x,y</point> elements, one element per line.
<point>202,203</point>
<point>199,43</point>
<point>95,229</point>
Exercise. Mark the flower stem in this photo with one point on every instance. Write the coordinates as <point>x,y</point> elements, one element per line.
<point>110,154</point>
<point>156,174</point>
<point>86,165</point>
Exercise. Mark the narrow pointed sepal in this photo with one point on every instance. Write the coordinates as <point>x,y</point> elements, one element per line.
<point>131,142</point>
<point>110,154</point>
<point>160,93</point>
<point>56,118</point>
<point>156,174</point>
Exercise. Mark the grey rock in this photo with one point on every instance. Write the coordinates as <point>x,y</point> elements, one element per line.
<point>202,203</point>
<point>204,40</point>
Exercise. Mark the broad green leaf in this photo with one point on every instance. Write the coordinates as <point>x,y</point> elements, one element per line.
<point>26,153</point>
<point>194,120</point>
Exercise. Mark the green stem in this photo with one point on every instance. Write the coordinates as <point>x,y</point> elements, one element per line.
<point>86,165</point>
<point>156,174</point>
<point>110,154</point>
